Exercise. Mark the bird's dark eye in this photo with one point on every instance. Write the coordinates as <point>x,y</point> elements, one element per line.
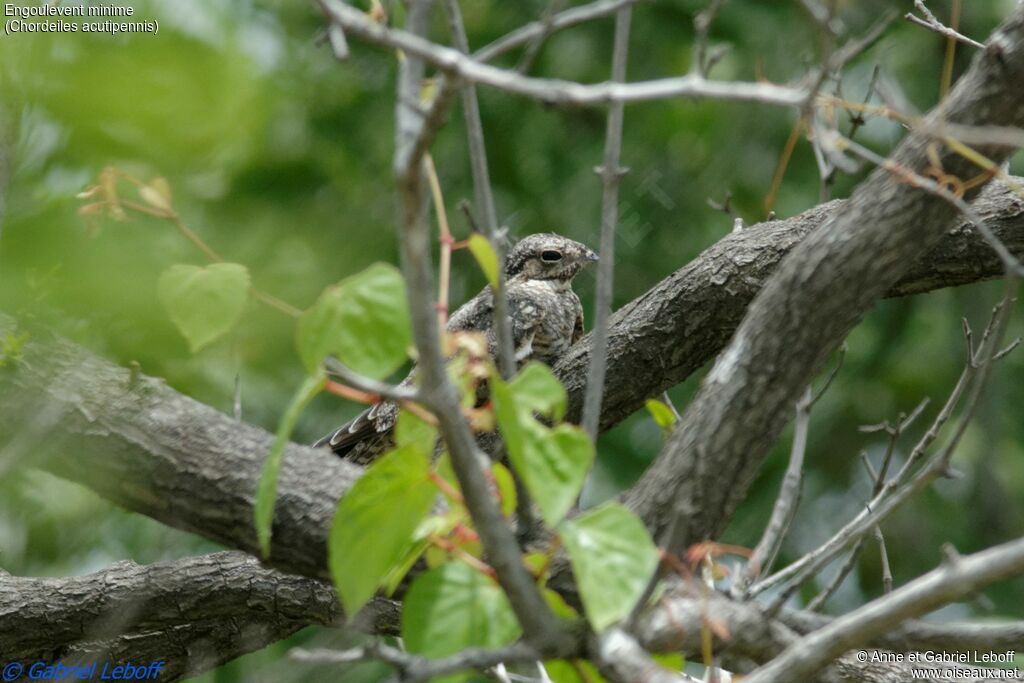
<point>551,256</point>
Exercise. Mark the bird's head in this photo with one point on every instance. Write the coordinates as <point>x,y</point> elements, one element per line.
<point>547,256</point>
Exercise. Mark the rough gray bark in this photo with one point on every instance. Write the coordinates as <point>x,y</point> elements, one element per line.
<point>144,446</point>
<point>663,336</point>
<point>678,622</point>
<point>817,295</point>
<point>193,614</point>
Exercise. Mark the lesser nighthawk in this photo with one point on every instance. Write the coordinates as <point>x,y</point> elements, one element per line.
<point>547,319</point>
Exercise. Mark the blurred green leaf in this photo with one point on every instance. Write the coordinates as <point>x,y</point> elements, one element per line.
<point>485,257</point>
<point>363,320</point>
<point>204,303</point>
<point>576,671</point>
<point>375,523</point>
<point>613,559</point>
<point>506,488</point>
<point>537,389</point>
<point>454,607</point>
<point>266,492</point>
<point>412,429</point>
<point>662,413</point>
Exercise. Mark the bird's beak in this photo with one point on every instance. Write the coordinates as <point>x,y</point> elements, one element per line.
<point>591,256</point>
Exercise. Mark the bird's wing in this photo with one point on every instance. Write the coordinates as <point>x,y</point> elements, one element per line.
<point>374,420</point>
<point>577,328</point>
<point>526,314</point>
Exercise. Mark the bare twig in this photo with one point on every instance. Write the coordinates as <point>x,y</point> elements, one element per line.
<point>611,173</point>
<point>383,389</point>
<point>555,91</point>
<point>701,28</point>
<point>903,486</point>
<point>415,668</point>
<point>526,520</point>
<point>484,197</point>
<point>786,502</point>
<point>533,47</point>
<point>562,20</point>
<point>821,598</point>
<point>951,581</point>
<point>539,625</point>
<point>931,23</point>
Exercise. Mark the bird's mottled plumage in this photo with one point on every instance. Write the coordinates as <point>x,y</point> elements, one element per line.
<point>546,316</point>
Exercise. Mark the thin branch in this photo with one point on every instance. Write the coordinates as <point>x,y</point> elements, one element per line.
<point>555,91</point>
<point>611,173</point>
<point>372,386</point>
<point>768,547</point>
<point>701,27</point>
<point>415,668</point>
<point>539,625</point>
<point>821,598</point>
<point>484,196</point>
<point>526,520</point>
<point>535,30</point>
<point>952,581</point>
<point>788,499</point>
<point>533,47</point>
<point>931,23</point>
<point>903,486</point>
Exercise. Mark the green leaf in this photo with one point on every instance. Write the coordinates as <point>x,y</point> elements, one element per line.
<point>266,492</point>
<point>613,559</point>
<point>204,303</point>
<point>673,661</point>
<point>485,257</point>
<point>559,606</point>
<point>506,488</point>
<point>375,523</point>
<point>412,429</point>
<point>578,671</point>
<point>537,389</point>
<point>555,463</point>
<point>454,607</point>
<point>552,463</point>
<point>363,320</point>
<point>662,414</point>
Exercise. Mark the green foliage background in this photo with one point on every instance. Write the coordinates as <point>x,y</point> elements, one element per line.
<point>280,158</point>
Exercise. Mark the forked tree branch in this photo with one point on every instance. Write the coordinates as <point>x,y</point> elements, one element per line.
<point>549,90</point>
<point>192,614</point>
<point>810,304</point>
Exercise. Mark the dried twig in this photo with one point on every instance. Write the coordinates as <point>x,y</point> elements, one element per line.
<point>555,91</point>
<point>611,173</point>
<point>931,23</point>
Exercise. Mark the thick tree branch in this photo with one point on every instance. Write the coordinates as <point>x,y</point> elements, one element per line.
<point>193,614</point>
<point>661,337</point>
<point>818,294</point>
<point>139,443</point>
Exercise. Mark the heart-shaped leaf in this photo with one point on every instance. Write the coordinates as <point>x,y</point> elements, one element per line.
<point>204,303</point>
<point>454,607</point>
<point>376,522</point>
<point>363,320</point>
<point>613,559</point>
